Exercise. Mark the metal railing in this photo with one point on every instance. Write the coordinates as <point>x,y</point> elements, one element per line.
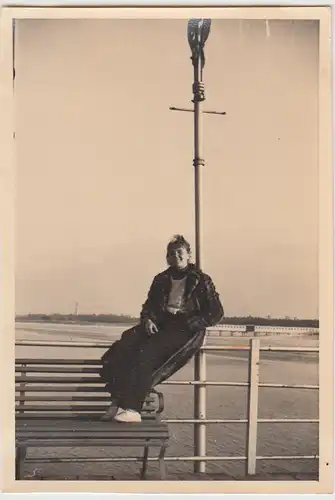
<point>253,385</point>
<point>262,330</point>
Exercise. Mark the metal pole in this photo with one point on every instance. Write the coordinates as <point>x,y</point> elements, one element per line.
<point>253,406</point>
<point>198,31</point>
<point>198,162</point>
<point>202,428</point>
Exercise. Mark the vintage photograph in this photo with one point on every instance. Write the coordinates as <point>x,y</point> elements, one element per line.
<point>167,249</point>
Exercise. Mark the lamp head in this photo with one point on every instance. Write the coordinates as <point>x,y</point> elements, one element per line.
<point>197,32</point>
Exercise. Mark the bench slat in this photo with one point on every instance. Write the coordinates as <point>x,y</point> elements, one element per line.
<point>64,407</point>
<point>49,439</point>
<point>57,361</point>
<point>63,425</point>
<point>85,443</point>
<point>142,432</point>
<point>73,416</point>
<point>66,397</point>
<point>51,435</point>
<point>57,369</point>
<point>22,399</point>
<point>58,388</point>
<point>58,380</point>
<point>67,429</point>
<point>56,425</point>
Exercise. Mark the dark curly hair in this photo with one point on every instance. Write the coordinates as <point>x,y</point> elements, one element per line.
<point>178,240</point>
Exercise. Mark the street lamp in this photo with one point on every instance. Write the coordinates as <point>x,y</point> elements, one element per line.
<point>197,33</point>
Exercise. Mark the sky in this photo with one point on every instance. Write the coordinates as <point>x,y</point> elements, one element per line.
<point>104,171</point>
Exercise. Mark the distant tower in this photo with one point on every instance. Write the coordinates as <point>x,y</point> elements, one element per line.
<point>76,309</point>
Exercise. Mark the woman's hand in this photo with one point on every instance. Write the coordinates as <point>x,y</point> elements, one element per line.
<point>150,327</point>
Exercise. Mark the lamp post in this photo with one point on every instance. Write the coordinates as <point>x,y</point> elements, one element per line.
<point>197,32</point>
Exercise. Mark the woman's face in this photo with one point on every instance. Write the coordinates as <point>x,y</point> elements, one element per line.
<point>178,257</point>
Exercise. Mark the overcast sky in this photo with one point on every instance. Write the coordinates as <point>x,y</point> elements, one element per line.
<point>104,169</point>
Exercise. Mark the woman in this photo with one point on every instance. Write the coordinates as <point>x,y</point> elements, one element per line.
<point>182,301</point>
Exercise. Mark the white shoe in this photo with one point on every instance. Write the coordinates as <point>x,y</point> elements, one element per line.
<point>129,416</point>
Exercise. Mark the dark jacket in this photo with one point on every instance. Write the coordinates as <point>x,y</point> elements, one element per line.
<point>204,309</point>
<point>202,302</point>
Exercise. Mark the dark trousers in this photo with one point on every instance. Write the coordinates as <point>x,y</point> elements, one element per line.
<point>131,362</point>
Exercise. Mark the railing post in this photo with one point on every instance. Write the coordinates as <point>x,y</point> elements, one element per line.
<point>252,406</point>
<point>200,413</point>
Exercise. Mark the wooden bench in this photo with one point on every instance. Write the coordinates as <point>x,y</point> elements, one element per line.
<point>59,402</point>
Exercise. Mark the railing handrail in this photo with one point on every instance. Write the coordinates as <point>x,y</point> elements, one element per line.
<point>105,345</point>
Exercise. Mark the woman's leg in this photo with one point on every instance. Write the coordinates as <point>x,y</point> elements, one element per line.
<point>151,355</point>
<point>117,358</point>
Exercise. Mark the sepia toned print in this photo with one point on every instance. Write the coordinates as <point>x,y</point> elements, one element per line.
<point>167,251</point>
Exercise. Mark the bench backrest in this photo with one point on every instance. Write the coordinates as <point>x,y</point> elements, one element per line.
<point>67,388</point>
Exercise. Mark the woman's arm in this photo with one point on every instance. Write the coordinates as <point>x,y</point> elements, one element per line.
<point>148,308</point>
<point>211,309</point>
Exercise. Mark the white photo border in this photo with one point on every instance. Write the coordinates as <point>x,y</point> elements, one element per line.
<point>7,218</point>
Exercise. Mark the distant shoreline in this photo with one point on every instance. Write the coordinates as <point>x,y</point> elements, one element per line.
<point>107,319</point>
<point>75,322</point>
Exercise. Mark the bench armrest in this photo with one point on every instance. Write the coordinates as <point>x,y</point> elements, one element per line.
<point>160,400</point>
